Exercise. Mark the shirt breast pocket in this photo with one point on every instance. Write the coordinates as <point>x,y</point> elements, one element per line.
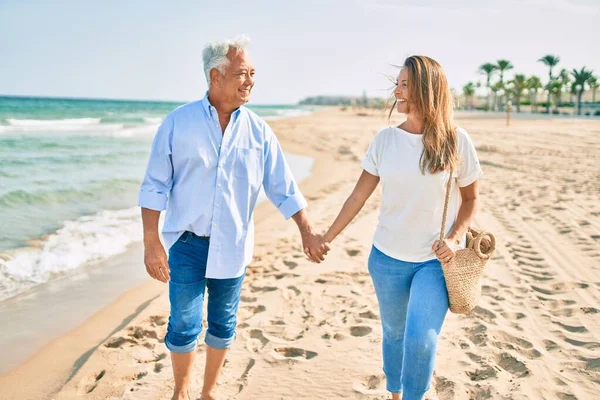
<point>247,165</point>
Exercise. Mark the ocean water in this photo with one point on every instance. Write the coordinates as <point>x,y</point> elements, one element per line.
<point>70,171</point>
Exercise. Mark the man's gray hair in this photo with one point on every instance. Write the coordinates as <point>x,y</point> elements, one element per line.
<point>214,54</point>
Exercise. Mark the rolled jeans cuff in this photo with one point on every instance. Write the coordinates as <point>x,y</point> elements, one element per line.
<point>218,343</point>
<point>188,348</point>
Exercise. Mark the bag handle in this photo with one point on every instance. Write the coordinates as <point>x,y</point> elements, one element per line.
<point>445,214</point>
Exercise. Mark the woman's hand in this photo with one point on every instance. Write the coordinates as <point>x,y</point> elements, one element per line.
<point>445,251</point>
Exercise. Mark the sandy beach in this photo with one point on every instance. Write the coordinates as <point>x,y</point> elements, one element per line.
<point>312,331</point>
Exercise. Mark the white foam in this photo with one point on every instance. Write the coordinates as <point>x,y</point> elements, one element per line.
<point>153,120</point>
<point>86,240</point>
<point>52,122</point>
<point>281,114</point>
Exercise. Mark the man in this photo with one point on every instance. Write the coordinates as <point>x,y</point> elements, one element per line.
<point>208,162</point>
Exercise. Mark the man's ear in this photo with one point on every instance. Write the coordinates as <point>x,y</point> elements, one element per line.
<point>215,76</point>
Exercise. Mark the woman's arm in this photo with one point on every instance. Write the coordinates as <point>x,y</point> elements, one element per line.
<point>466,215</point>
<point>362,191</point>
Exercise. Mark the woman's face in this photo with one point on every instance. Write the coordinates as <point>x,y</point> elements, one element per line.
<point>401,92</point>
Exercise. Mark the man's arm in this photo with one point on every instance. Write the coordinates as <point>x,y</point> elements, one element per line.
<point>314,244</point>
<point>155,257</point>
<point>153,198</point>
<point>281,188</point>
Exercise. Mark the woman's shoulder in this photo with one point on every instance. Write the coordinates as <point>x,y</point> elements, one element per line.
<point>384,134</point>
<point>464,139</point>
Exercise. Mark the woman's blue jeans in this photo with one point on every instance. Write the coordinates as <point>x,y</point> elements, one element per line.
<point>413,301</point>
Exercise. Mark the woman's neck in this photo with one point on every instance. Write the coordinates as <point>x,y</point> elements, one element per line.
<point>413,124</point>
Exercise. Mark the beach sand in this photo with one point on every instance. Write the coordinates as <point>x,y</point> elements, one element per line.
<point>312,331</point>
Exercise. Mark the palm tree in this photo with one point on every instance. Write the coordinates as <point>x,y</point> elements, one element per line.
<point>580,78</point>
<point>534,83</point>
<point>469,91</point>
<point>593,83</point>
<point>496,87</point>
<point>551,61</point>
<point>565,81</point>
<point>503,66</point>
<point>555,88</point>
<point>488,70</point>
<point>519,84</point>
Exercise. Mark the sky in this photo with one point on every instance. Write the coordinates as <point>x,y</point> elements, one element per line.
<point>152,50</point>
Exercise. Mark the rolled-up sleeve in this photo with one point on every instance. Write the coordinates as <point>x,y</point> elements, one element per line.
<point>278,181</point>
<point>158,179</point>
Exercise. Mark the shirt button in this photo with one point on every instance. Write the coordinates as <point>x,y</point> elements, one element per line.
<point>219,185</point>
<point>215,225</point>
<point>217,204</point>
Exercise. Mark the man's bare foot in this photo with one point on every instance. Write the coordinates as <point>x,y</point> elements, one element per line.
<point>182,396</point>
<point>207,397</point>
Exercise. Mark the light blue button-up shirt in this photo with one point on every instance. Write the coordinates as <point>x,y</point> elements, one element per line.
<point>209,180</point>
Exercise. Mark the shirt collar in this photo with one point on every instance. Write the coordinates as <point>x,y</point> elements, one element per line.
<point>209,108</point>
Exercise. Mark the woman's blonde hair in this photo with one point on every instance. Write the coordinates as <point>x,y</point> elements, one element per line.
<point>431,98</point>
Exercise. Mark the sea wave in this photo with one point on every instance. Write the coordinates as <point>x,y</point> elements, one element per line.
<point>80,242</point>
<point>18,198</point>
<point>52,122</point>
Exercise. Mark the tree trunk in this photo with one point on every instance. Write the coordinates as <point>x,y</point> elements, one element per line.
<point>579,102</point>
<point>518,101</point>
<point>594,95</point>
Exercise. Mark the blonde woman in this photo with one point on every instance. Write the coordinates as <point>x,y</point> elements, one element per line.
<point>413,162</point>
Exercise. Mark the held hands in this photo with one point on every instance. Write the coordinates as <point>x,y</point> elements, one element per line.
<point>155,259</point>
<point>315,246</point>
<point>445,251</point>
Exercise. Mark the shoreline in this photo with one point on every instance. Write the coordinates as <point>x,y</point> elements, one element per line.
<point>129,303</point>
<point>533,335</point>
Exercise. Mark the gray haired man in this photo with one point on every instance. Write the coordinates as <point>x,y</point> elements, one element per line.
<point>208,162</point>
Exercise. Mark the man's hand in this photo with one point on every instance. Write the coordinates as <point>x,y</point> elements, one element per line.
<point>315,246</point>
<point>155,259</point>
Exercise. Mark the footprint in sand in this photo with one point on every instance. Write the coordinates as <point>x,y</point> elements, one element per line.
<point>352,252</point>
<point>257,341</point>
<point>484,314</point>
<point>290,264</point>
<point>95,379</point>
<point>158,320</point>
<point>478,334</point>
<point>512,365</point>
<point>482,374</point>
<point>255,289</point>
<point>359,331</point>
<point>372,384</point>
<point>295,290</point>
<point>369,315</point>
<point>248,299</point>
<point>285,275</point>
<point>571,328</point>
<point>294,353</point>
<point>118,342</point>
<point>579,343</point>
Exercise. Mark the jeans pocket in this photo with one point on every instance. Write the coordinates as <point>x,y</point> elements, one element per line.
<point>185,237</point>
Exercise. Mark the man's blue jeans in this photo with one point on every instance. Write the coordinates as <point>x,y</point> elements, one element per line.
<point>413,301</point>
<point>187,266</point>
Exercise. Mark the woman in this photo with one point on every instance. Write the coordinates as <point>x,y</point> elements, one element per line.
<point>413,162</point>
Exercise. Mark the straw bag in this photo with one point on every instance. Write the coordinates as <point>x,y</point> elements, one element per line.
<point>463,272</point>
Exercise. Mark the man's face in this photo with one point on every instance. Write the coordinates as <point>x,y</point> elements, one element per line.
<point>237,82</point>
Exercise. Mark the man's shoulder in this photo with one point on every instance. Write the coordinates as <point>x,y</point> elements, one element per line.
<point>256,122</point>
<point>185,109</point>
<point>252,116</point>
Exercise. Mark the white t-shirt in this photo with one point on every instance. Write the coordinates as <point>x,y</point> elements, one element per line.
<point>412,203</point>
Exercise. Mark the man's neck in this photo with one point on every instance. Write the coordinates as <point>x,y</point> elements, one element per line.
<point>223,109</point>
